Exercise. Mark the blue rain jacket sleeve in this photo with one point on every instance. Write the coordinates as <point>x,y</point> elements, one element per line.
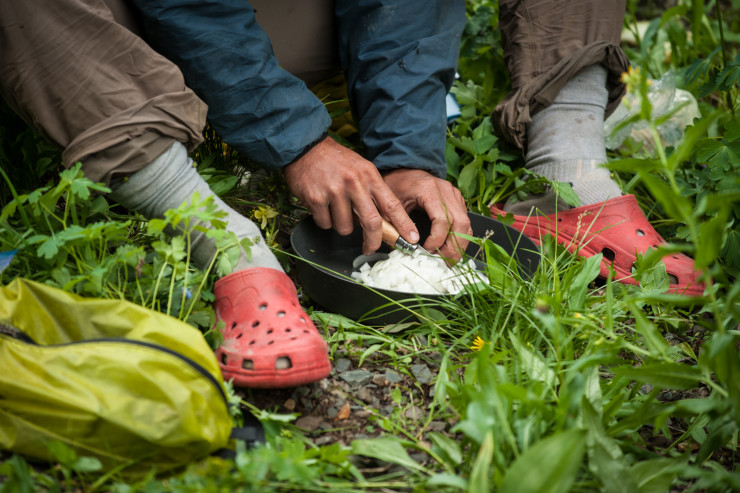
<point>400,59</point>
<point>227,59</point>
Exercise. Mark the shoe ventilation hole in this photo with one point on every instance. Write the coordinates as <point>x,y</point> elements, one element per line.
<point>672,279</point>
<point>239,336</point>
<point>269,331</point>
<point>280,314</point>
<point>305,331</point>
<point>251,343</point>
<point>224,358</point>
<point>270,343</point>
<point>640,232</point>
<point>303,320</point>
<point>283,363</point>
<point>233,326</point>
<point>263,307</point>
<point>293,338</point>
<point>255,323</point>
<point>609,254</point>
<point>287,330</point>
<point>248,364</point>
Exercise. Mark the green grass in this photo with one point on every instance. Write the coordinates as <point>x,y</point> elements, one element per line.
<point>578,384</point>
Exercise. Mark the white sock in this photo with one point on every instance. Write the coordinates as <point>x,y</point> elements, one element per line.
<point>565,142</point>
<point>168,182</point>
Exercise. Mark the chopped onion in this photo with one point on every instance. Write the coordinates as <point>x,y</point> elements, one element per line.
<point>418,273</point>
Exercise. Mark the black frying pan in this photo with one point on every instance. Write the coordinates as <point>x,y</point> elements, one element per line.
<point>325,264</point>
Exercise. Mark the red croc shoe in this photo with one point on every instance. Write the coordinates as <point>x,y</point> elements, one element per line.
<point>269,340</point>
<point>618,229</point>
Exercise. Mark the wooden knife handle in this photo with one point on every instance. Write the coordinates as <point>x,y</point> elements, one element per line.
<point>390,234</point>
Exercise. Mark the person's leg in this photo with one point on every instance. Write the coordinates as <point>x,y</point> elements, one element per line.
<point>565,63</point>
<point>125,113</point>
<point>565,143</point>
<point>558,59</point>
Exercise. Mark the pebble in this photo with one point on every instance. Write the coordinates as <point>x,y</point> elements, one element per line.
<point>414,413</point>
<point>309,423</point>
<point>332,412</point>
<point>392,377</point>
<point>364,395</point>
<point>342,365</point>
<point>344,412</point>
<point>289,404</point>
<point>323,440</point>
<point>421,373</point>
<point>436,426</point>
<point>379,380</point>
<point>357,377</point>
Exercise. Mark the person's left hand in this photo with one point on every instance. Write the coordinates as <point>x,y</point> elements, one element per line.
<point>443,203</point>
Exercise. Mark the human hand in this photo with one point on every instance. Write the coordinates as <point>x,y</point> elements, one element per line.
<point>443,203</point>
<point>334,181</point>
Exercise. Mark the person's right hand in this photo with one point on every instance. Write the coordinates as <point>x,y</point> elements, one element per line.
<point>334,181</point>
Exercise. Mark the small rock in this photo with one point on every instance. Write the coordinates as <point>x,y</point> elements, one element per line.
<point>342,365</point>
<point>392,377</point>
<point>289,404</point>
<point>421,373</point>
<point>387,410</point>
<point>332,412</point>
<point>323,440</point>
<point>362,414</point>
<point>307,403</point>
<point>356,377</point>
<point>344,412</point>
<point>436,426</point>
<point>414,413</point>
<point>379,380</point>
<point>364,395</point>
<point>308,423</point>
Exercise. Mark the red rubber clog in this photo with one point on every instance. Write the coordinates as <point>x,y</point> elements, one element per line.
<point>618,229</point>
<point>269,340</point>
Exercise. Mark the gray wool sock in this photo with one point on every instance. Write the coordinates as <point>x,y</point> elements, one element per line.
<point>169,181</point>
<point>565,142</point>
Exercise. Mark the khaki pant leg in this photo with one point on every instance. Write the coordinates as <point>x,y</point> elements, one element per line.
<point>93,87</point>
<point>546,43</point>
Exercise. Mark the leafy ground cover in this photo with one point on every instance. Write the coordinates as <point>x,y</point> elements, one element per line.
<point>562,382</point>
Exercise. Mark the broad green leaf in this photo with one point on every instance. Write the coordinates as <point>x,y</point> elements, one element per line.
<point>532,364</point>
<point>677,206</point>
<point>448,448</point>
<point>468,178</point>
<point>479,476</point>
<point>579,287</point>
<point>654,341</point>
<point>605,457</point>
<point>664,375</point>
<point>656,475</point>
<point>549,466</point>
<point>445,479</point>
<point>709,242</point>
<point>565,192</point>
<point>388,449</point>
<point>691,137</point>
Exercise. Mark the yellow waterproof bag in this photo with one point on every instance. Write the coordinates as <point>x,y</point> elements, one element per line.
<point>135,388</point>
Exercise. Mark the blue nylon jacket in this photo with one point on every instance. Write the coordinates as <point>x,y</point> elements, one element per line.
<point>399,58</point>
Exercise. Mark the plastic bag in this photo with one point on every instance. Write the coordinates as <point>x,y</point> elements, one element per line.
<point>665,98</point>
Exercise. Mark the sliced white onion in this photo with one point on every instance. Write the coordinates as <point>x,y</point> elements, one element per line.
<point>418,273</point>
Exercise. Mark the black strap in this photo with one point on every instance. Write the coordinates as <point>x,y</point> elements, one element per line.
<point>252,433</point>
